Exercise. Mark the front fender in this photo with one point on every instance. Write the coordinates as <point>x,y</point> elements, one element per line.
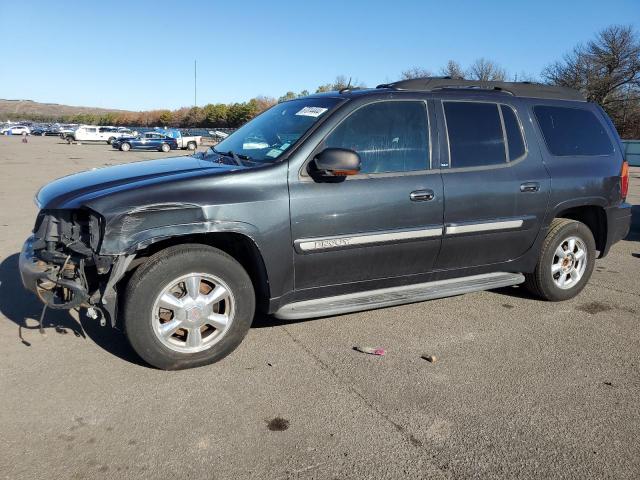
<point>130,231</point>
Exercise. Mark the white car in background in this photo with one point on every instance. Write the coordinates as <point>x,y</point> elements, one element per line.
<point>16,130</point>
<point>94,133</point>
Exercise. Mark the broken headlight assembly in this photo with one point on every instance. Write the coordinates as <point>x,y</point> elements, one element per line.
<point>65,245</point>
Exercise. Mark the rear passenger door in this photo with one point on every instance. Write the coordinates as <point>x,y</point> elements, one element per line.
<point>495,184</point>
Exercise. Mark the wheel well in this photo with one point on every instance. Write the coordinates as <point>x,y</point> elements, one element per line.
<point>239,246</point>
<point>593,217</point>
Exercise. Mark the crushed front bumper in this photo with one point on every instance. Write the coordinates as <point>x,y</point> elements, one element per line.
<point>44,280</point>
<point>31,269</point>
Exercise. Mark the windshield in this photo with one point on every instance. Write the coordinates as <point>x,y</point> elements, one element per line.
<point>270,134</point>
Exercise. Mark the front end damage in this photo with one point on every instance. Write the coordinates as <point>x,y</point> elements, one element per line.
<point>61,264</point>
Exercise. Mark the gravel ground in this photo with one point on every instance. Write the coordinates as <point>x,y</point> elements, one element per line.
<point>521,388</point>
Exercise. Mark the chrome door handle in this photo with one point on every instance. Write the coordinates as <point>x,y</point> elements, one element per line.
<point>530,187</point>
<point>421,195</point>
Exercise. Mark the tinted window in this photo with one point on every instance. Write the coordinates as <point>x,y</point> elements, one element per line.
<point>572,131</point>
<point>514,133</point>
<point>388,136</point>
<point>475,134</point>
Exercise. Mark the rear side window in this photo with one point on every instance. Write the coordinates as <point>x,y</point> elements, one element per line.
<point>515,142</point>
<point>388,136</point>
<point>572,131</point>
<point>475,134</point>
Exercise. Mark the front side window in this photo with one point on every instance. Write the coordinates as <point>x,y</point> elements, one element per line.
<point>389,136</point>
<point>572,131</point>
<point>475,134</point>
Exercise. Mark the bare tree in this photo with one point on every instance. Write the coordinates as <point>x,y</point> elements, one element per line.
<point>607,70</point>
<point>340,82</point>
<point>601,67</point>
<point>415,72</point>
<point>486,70</point>
<point>453,69</point>
<point>525,77</point>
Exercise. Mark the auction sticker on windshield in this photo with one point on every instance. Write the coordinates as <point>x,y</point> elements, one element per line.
<point>312,111</point>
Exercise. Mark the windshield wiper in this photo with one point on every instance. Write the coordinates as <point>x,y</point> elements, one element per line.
<point>237,157</point>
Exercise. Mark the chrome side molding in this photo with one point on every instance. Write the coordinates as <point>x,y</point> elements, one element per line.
<point>483,227</point>
<point>305,245</point>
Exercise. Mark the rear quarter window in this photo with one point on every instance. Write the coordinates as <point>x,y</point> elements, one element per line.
<point>571,131</point>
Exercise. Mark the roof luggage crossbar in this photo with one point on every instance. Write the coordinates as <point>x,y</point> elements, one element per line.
<point>518,89</point>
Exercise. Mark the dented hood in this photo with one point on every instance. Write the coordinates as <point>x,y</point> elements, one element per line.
<point>74,190</point>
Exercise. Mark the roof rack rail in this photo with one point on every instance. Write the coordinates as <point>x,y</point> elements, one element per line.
<point>518,89</point>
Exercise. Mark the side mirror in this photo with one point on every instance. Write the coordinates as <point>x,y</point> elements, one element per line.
<point>335,163</point>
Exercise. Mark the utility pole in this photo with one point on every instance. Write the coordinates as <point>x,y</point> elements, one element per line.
<point>195,83</point>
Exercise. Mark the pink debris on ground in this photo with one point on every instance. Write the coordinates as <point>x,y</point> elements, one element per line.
<point>371,350</point>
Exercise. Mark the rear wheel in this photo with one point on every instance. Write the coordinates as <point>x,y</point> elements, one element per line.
<point>566,261</point>
<point>111,139</point>
<point>70,139</point>
<point>191,146</point>
<point>125,147</point>
<point>187,306</point>
<point>165,147</point>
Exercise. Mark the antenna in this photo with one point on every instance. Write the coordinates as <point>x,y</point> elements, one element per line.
<point>195,83</point>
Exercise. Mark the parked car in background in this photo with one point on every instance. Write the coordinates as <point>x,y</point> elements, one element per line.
<point>64,130</point>
<point>185,141</point>
<point>336,203</point>
<point>146,141</point>
<point>16,130</point>
<point>45,131</point>
<point>127,132</point>
<point>94,133</point>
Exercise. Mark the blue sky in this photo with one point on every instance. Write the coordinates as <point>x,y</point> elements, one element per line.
<point>139,54</point>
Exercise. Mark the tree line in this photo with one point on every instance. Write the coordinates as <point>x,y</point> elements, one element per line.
<point>606,69</point>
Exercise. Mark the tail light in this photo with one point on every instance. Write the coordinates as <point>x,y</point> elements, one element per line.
<point>624,180</point>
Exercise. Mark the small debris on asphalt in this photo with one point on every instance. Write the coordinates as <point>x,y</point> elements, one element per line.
<point>278,424</point>
<point>429,358</point>
<point>608,384</point>
<point>371,350</point>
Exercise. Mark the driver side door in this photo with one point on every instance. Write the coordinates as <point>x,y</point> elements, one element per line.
<point>385,222</point>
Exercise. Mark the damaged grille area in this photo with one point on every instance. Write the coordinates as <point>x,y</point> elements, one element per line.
<point>67,241</point>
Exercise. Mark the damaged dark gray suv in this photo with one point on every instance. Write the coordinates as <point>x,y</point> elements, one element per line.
<point>336,203</point>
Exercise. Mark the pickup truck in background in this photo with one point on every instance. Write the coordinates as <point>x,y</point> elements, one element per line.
<point>185,141</point>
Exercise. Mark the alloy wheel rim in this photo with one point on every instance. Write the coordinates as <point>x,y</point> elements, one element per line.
<point>569,263</point>
<point>193,312</point>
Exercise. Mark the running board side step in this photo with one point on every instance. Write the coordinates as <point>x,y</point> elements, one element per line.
<point>387,297</point>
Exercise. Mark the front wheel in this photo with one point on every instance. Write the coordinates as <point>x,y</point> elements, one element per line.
<point>125,147</point>
<point>111,140</point>
<point>191,146</point>
<point>165,147</point>
<point>565,263</point>
<point>188,306</point>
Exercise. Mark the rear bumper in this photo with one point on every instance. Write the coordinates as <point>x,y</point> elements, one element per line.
<point>618,224</point>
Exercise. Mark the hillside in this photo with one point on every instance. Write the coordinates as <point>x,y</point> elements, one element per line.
<point>28,109</point>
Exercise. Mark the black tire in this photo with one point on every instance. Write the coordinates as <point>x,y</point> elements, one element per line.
<point>191,146</point>
<point>110,141</point>
<point>70,139</point>
<point>125,147</point>
<point>146,284</point>
<point>165,147</point>
<point>541,282</point>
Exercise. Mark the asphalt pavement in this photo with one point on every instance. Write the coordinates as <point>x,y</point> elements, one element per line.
<point>520,388</point>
